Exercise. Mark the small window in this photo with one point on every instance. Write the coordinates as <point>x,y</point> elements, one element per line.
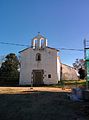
<point>38,57</point>
<point>49,75</point>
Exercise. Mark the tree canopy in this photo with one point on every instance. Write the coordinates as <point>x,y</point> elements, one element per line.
<point>9,69</point>
<point>79,65</point>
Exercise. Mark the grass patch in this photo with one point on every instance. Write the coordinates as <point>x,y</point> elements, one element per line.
<point>72,83</point>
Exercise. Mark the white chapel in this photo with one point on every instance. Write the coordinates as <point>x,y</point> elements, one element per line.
<point>40,64</point>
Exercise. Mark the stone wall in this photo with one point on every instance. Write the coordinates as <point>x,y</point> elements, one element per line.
<point>68,73</point>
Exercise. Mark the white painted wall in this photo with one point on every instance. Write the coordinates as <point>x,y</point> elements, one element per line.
<point>58,68</point>
<point>49,63</point>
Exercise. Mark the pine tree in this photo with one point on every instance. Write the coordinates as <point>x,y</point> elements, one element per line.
<point>9,69</point>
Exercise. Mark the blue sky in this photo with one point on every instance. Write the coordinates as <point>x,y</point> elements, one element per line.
<point>65,23</point>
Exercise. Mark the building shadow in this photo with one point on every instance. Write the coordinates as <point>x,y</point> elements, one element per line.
<point>39,105</point>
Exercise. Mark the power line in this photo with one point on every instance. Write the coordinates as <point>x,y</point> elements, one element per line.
<point>14,44</point>
<point>71,49</point>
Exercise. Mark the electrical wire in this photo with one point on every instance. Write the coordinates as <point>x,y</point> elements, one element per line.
<point>72,49</point>
<point>13,44</point>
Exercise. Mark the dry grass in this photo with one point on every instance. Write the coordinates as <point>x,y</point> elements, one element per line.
<point>39,103</point>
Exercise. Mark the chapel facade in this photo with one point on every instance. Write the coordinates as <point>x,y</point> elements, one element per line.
<point>40,64</point>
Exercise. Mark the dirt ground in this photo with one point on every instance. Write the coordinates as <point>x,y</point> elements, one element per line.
<point>39,103</point>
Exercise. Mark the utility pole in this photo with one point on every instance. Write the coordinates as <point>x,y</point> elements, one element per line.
<point>86,58</point>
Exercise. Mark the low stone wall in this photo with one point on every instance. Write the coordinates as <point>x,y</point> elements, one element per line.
<point>68,73</point>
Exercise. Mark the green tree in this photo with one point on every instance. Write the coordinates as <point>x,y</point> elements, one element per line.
<point>9,69</point>
<point>79,65</point>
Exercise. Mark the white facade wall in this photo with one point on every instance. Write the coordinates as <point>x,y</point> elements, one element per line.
<point>49,63</point>
<point>58,68</point>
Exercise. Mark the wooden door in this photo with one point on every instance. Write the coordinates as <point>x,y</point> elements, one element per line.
<point>38,77</point>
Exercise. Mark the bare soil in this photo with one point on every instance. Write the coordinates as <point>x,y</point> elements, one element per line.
<point>40,103</point>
